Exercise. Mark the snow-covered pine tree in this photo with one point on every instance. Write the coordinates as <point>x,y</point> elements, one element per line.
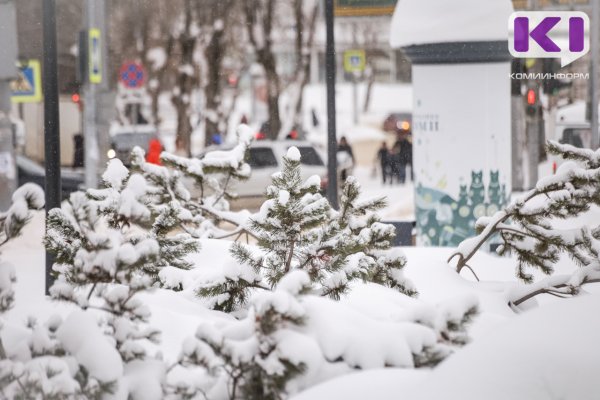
<point>527,227</point>
<point>102,259</point>
<point>35,361</point>
<point>252,357</point>
<point>296,228</point>
<point>172,223</point>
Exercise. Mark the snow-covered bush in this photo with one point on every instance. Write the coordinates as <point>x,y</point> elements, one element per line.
<point>293,331</point>
<point>31,365</point>
<point>110,244</point>
<point>291,339</point>
<point>527,227</point>
<point>296,228</point>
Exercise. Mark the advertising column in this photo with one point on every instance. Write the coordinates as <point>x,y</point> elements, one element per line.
<point>461,112</point>
<point>461,145</point>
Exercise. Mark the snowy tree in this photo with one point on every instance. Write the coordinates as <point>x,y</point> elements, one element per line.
<point>527,228</point>
<point>43,360</point>
<point>102,261</point>
<point>296,228</point>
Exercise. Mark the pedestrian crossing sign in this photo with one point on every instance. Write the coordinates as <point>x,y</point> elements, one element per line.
<point>27,88</point>
<point>95,56</point>
<point>354,60</point>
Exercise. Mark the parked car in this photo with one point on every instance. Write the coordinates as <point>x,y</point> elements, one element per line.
<point>265,158</point>
<point>31,171</point>
<point>126,138</point>
<point>398,122</point>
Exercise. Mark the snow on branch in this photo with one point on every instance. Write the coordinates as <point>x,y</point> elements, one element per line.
<point>526,226</point>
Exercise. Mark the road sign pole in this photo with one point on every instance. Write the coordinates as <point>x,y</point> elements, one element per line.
<point>90,134</point>
<point>355,98</point>
<point>51,122</point>
<point>331,129</point>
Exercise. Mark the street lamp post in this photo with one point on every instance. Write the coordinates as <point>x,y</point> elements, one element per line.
<point>331,129</point>
<point>51,121</point>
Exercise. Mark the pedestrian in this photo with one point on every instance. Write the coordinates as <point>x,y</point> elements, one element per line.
<point>344,147</point>
<point>395,164</point>
<point>78,151</point>
<point>405,156</point>
<point>383,155</point>
<point>154,150</point>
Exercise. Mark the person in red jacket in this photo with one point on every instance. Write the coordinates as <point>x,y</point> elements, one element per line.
<point>154,150</point>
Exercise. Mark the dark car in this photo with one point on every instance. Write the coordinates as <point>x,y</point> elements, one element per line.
<point>31,171</point>
<point>122,144</point>
<point>398,122</point>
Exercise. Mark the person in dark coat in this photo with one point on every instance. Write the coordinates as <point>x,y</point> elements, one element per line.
<point>78,151</point>
<point>406,155</point>
<point>344,146</point>
<point>402,151</point>
<point>383,155</point>
<point>395,163</point>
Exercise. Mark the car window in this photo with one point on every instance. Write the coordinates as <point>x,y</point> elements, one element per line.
<point>132,139</point>
<point>309,156</point>
<point>262,157</point>
<point>578,137</point>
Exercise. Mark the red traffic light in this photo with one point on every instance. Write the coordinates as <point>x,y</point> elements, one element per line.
<point>531,97</point>
<point>75,97</point>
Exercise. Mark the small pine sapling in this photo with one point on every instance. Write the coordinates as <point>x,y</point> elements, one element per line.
<point>102,261</point>
<point>253,355</point>
<point>36,363</point>
<point>296,228</point>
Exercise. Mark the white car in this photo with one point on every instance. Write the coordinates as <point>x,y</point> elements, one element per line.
<point>266,157</point>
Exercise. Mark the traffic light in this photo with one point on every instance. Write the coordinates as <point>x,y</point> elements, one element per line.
<point>531,97</point>
<point>531,107</point>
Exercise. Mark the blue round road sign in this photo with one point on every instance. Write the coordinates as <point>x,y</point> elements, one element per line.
<point>132,75</point>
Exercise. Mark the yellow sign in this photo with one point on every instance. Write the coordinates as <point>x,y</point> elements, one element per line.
<point>354,60</point>
<point>95,56</point>
<point>361,8</point>
<point>27,88</point>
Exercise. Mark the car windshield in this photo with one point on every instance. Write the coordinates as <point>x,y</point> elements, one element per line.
<point>309,156</point>
<point>262,157</point>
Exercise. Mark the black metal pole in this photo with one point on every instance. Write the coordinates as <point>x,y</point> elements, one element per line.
<point>331,130</point>
<point>51,124</point>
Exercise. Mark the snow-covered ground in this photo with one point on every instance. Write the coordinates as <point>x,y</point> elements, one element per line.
<point>549,353</point>
<point>568,329</point>
<point>532,349</point>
